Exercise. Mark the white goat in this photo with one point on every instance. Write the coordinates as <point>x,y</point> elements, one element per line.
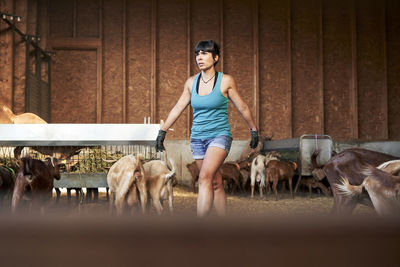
<point>124,178</point>
<point>257,172</point>
<point>160,179</point>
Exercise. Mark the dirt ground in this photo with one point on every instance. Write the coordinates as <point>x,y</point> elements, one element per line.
<point>237,204</point>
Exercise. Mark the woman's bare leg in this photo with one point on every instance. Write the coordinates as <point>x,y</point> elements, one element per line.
<point>211,190</point>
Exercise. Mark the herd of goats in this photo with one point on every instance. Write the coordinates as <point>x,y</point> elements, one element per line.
<point>353,176</point>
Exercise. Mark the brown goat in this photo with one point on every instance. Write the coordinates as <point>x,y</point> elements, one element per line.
<point>7,182</point>
<point>311,182</point>
<point>229,171</point>
<point>194,172</point>
<point>231,174</point>
<point>34,182</point>
<point>279,171</point>
<point>383,188</point>
<point>350,163</point>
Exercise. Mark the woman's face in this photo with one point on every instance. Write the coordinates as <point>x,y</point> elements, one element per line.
<point>205,60</point>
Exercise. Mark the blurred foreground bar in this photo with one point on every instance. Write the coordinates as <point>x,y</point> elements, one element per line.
<point>188,241</point>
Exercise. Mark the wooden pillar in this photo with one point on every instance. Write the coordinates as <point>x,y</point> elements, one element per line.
<point>353,89</point>
<point>124,73</point>
<point>385,102</point>
<point>256,67</point>
<point>188,53</point>
<point>321,70</point>
<point>221,35</point>
<point>289,130</point>
<point>153,88</point>
<point>99,50</point>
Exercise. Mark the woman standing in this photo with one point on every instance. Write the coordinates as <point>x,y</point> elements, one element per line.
<point>208,92</point>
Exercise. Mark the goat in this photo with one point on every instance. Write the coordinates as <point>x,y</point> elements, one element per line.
<point>22,118</point>
<point>350,163</point>
<point>124,178</point>
<point>34,182</point>
<point>383,188</point>
<point>160,179</point>
<point>229,172</point>
<point>257,172</point>
<point>194,172</point>
<point>7,182</point>
<point>280,171</point>
<point>311,182</point>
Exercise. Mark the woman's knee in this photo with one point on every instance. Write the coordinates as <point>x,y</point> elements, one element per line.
<point>205,179</point>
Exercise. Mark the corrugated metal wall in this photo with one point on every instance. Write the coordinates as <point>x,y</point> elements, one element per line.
<point>310,66</point>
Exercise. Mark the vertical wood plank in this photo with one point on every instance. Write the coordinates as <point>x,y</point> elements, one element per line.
<point>274,68</point>
<point>188,58</point>
<point>19,77</point>
<point>321,70</point>
<point>99,93</point>
<point>7,56</point>
<point>221,34</point>
<point>153,88</point>
<point>124,78</point>
<point>354,85</point>
<point>289,113</point>
<point>393,67</point>
<point>371,69</point>
<point>256,62</point>
<point>385,102</point>
<point>337,69</point>
<point>75,19</point>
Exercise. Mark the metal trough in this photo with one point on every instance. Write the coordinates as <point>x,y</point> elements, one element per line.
<point>301,149</point>
<point>92,143</point>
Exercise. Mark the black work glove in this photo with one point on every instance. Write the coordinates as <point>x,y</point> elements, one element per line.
<point>160,140</point>
<point>254,139</point>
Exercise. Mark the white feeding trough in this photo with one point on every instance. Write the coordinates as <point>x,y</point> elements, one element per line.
<point>91,146</point>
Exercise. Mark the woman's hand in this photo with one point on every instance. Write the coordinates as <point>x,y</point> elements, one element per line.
<point>254,139</point>
<point>160,140</point>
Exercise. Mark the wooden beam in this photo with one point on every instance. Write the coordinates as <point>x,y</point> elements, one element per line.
<point>124,73</point>
<point>99,93</point>
<point>153,88</point>
<point>256,64</point>
<point>321,70</point>
<point>353,89</point>
<point>75,19</point>
<point>221,34</point>
<point>385,102</point>
<point>289,130</point>
<point>188,53</point>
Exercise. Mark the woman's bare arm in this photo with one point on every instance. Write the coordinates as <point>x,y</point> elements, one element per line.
<point>230,89</point>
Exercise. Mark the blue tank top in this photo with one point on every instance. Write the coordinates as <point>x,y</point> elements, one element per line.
<point>210,112</point>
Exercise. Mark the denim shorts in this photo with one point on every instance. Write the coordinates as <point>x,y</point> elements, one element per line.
<point>199,146</point>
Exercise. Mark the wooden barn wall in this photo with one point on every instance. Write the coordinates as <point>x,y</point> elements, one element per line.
<point>311,66</point>
<point>371,65</point>
<point>275,69</point>
<point>171,61</point>
<point>337,68</point>
<point>393,67</point>
<point>138,60</point>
